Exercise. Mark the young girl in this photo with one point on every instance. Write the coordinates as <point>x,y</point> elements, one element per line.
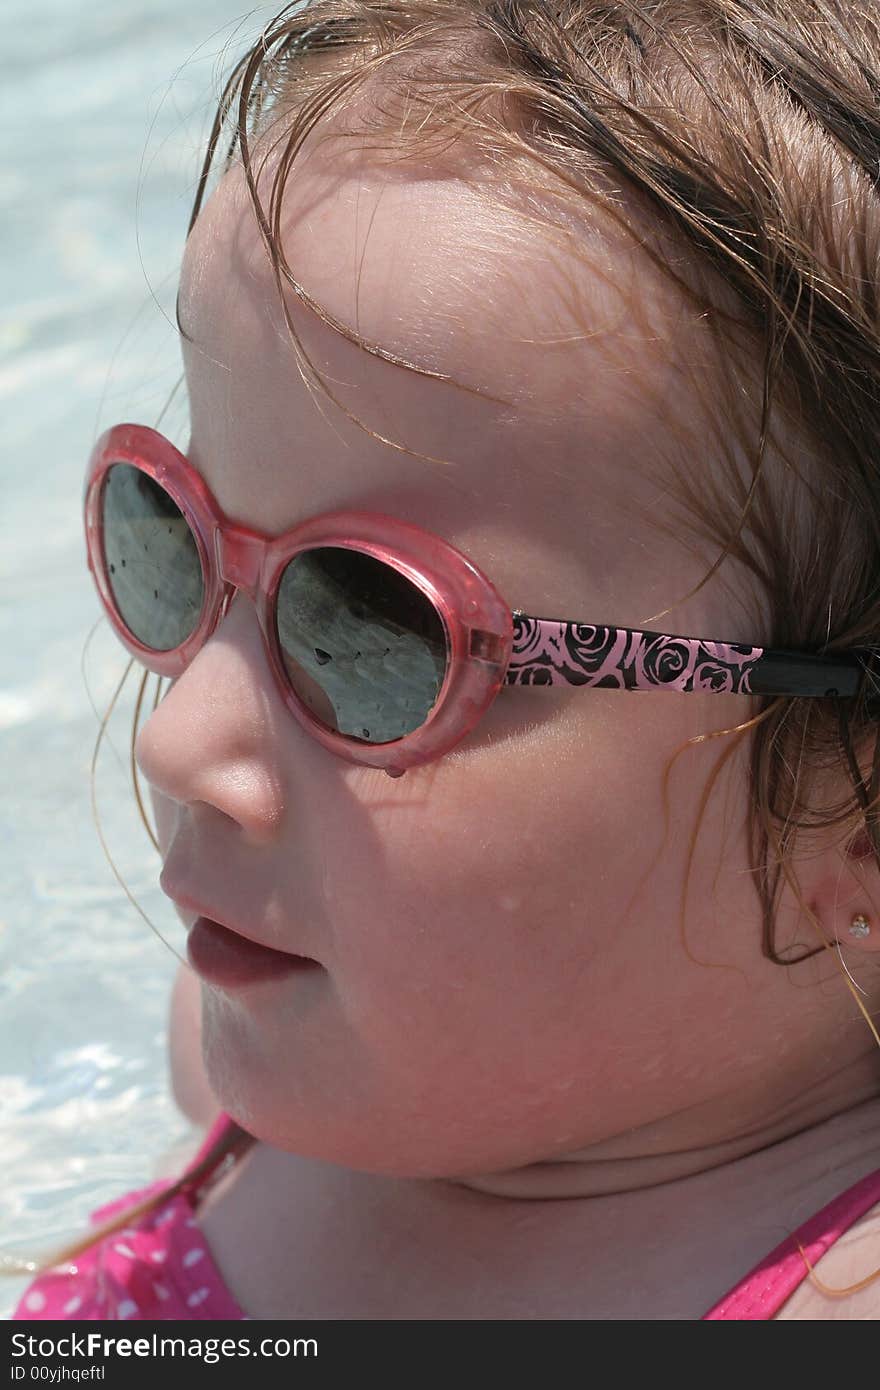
<point>533,358</point>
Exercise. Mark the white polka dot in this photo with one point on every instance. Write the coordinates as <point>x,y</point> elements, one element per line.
<point>161,1291</point>
<point>35,1301</point>
<point>73,1304</point>
<point>192,1257</point>
<point>198,1297</point>
<point>164,1217</point>
<point>125,1250</point>
<point>127,1308</point>
<point>190,1221</point>
<point>158,1256</point>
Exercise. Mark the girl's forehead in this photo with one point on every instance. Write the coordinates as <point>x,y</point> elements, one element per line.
<point>542,392</point>
<point>436,270</point>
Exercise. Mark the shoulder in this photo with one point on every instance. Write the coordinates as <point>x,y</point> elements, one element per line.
<point>852,1263</point>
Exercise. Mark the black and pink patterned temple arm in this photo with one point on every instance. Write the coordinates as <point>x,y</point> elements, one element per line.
<point>547,652</point>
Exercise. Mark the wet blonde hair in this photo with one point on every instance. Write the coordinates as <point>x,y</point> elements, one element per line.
<point>746,134</point>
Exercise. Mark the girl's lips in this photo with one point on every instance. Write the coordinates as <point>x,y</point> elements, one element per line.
<point>222,957</point>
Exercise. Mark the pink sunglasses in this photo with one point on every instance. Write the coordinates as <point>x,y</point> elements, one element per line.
<point>387,643</point>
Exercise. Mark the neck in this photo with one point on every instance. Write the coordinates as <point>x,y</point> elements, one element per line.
<point>690,1143</point>
<point>294,1233</point>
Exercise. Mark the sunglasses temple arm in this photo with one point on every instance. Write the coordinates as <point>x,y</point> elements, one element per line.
<point>548,652</point>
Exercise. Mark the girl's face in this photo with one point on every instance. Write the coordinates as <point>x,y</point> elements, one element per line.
<point>503,975</point>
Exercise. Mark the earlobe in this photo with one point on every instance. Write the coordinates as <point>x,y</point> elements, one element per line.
<point>863,929</point>
<point>845,897</point>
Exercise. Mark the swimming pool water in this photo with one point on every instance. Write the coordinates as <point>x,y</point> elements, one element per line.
<point>104,109</point>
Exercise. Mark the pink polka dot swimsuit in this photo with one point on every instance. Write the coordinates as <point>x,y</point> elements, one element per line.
<point>160,1267</point>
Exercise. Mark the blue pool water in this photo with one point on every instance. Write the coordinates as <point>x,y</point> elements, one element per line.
<point>104,109</point>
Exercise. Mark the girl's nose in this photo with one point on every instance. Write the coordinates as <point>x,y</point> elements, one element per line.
<point>219,735</point>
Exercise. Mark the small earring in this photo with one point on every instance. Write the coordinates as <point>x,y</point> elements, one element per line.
<point>860,926</point>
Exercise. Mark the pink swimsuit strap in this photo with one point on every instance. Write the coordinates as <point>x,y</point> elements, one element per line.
<point>762,1293</point>
<point>218,1128</point>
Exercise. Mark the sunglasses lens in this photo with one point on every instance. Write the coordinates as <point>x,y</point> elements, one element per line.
<point>365,649</point>
<point>151,559</point>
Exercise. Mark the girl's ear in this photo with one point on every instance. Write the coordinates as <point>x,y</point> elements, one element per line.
<point>847,902</point>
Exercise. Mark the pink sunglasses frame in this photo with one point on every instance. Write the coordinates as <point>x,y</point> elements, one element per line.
<point>488,643</point>
<point>478,623</point>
